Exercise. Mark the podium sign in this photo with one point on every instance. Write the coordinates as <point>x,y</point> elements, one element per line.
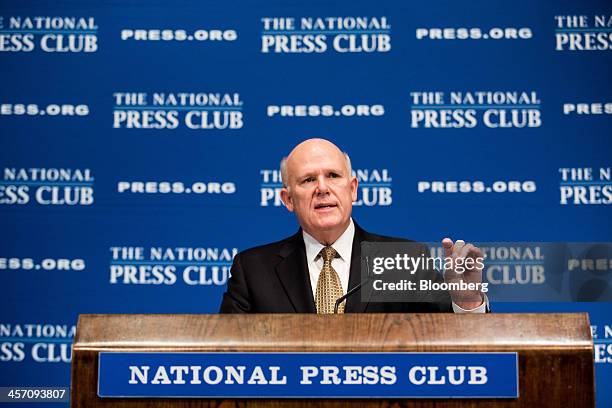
<point>308,375</point>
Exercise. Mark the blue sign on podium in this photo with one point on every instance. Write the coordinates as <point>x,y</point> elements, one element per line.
<point>308,375</point>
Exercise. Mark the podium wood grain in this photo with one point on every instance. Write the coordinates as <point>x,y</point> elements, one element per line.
<point>555,350</point>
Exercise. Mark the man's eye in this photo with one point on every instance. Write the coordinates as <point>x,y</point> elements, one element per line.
<point>309,180</point>
<point>334,175</point>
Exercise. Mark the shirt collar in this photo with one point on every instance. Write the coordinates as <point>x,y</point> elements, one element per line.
<point>343,245</point>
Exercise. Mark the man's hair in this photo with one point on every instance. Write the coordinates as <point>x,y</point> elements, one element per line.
<point>285,176</point>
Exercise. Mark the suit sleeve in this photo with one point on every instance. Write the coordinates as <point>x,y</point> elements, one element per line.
<point>236,299</point>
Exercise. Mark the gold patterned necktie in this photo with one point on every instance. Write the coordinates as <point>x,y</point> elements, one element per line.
<point>329,288</point>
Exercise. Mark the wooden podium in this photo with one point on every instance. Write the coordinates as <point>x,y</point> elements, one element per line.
<point>555,351</point>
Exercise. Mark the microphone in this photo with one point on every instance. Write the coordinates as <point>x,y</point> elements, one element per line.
<point>353,290</point>
<point>343,298</point>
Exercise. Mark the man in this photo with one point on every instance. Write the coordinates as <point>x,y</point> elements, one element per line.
<point>308,272</point>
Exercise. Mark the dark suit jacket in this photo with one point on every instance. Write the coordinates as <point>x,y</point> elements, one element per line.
<point>274,278</point>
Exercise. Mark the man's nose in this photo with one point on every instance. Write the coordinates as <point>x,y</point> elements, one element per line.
<point>322,187</point>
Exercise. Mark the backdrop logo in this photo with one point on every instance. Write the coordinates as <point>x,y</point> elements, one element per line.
<point>286,35</point>
<point>602,339</point>
<point>473,33</point>
<point>375,188</point>
<point>161,110</point>
<point>516,265</point>
<point>176,187</point>
<point>585,186</point>
<point>43,343</point>
<point>177,35</point>
<point>165,266</point>
<point>45,264</point>
<point>326,111</point>
<point>583,264</point>
<point>583,33</point>
<point>50,34</point>
<point>52,109</point>
<point>475,186</point>
<point>493,109</point>
<point>592,108</point>
<point>47,186</point>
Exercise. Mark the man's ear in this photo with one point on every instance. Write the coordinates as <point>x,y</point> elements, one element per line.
<point>286,198</point>
<point>354,184</point>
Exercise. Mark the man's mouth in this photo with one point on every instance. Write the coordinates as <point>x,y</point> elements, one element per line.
<point>324,206</point>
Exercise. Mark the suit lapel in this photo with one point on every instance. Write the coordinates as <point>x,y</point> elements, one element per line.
<point>354,303</point>
<point>292,271</point>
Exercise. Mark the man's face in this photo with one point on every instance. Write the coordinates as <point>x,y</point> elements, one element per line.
<point>320,189</point>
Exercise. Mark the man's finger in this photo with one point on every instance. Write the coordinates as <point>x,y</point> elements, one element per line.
<point>475,252</point>
<point>447,244</point>
<point>458,247</point>
<point>465,251</point>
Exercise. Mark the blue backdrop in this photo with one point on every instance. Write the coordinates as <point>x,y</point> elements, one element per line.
<point>140,142</point>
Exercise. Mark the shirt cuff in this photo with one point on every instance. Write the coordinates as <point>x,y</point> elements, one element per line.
<point>480,309</point>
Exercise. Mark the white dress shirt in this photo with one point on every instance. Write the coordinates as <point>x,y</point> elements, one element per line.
<point>342,264</point>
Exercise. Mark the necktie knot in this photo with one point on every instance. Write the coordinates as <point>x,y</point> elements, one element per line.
<point>328,253</point>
